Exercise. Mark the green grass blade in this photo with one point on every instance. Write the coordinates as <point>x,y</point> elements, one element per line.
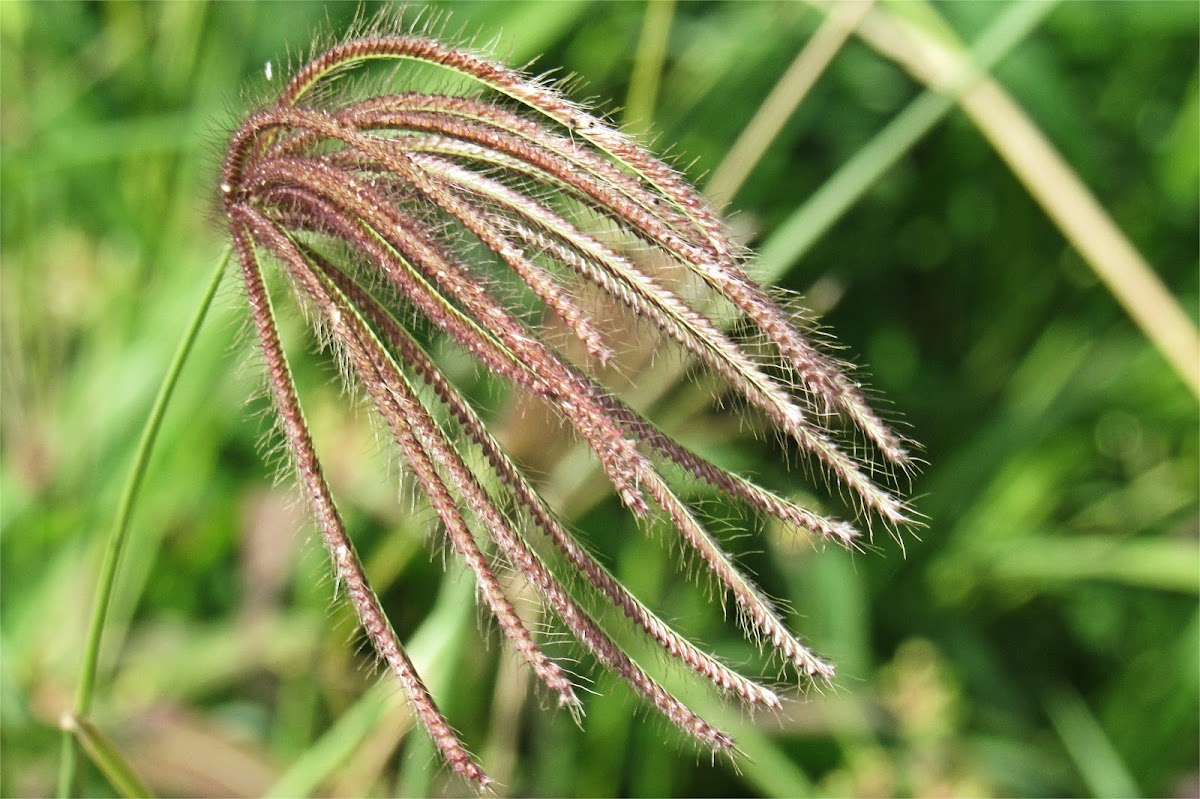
<point>1099,763</point>
<point>648,64</point>
<point>1060,191</point>
<point>112,555</point>
<point>1161,564</point>
<point>801,230</point>
<point>106,757</point>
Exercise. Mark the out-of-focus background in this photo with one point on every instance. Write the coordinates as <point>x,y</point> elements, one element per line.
<point>1039,637</point>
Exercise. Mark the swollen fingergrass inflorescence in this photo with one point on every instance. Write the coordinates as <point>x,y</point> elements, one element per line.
<point>371,200</point>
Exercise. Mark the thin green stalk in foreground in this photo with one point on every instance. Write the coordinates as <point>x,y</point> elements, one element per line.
<point>116,543</point>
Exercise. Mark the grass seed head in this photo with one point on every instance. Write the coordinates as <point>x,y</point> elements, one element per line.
<point>369,198</point>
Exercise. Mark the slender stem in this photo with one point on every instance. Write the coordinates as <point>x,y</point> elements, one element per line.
<point>116,543</point>
<point>784,99</point>
<point>648,64</point>
<point>107,757</point>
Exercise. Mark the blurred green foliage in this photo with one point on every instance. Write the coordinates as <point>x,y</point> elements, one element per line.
<point>1040,638</point>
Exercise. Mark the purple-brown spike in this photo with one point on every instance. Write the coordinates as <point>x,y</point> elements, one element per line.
<point>414,200</point>
<point>596,575</point>
<point>346,565</point>
<point>419,454</point>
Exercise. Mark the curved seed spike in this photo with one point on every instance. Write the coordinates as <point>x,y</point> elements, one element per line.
<point>577,555</point>
<point>612,193</point>
<point>757,609</point>
<point>534,95</point>
<point>528,148</point>
<point>518,552</point>
<point>750,299</point>
<point>766,502</point>
<point>386,388</point>
<point>691,329</point>
<point>575,318</point>
<point>425,443</point>
<point>347,567</point>
<point>731,280</point>
<point>546,372</point>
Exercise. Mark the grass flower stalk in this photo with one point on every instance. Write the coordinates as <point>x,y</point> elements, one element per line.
<point>68,773</point>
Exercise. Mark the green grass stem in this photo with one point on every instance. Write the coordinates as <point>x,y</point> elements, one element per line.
<point>920,41</point>
<point>120,533</point>
<point>808,66</point>
<point>1099,763</point>
<point>648,64</point>
<point>107,757</point>
<point>1157,564</point>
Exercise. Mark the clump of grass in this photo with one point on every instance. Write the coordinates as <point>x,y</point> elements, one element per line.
<point>379,205</point>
